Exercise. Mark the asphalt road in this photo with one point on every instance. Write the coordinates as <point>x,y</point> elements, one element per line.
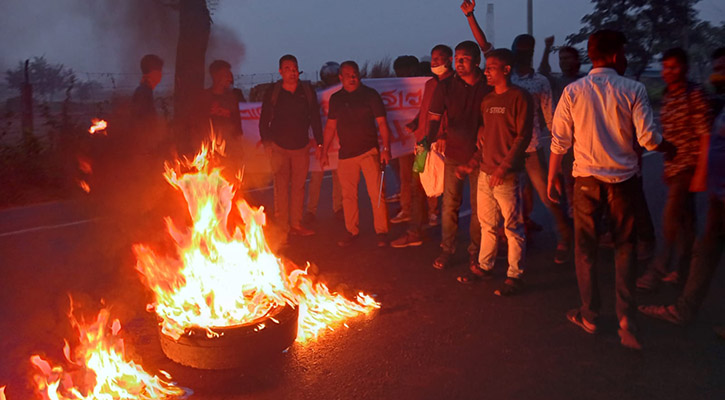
<point>433,338</point>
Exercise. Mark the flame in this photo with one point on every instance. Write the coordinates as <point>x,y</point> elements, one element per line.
<point>85,186</point>
<point>220,279</point>
<point>97,369</point>
<point>2,392</point>
<point>99,125</point>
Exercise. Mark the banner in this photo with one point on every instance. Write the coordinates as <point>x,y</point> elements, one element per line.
<point>401,97</point>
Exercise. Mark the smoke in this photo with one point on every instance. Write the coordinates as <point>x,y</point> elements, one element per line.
<point>225,44</point>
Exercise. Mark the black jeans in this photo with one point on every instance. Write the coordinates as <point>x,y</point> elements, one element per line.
<point>707,256</point>
<point>591,198</point>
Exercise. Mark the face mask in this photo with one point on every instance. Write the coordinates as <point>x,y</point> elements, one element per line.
<point>439,70</point>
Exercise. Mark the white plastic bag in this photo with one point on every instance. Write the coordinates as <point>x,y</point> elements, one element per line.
<point>432,176</point>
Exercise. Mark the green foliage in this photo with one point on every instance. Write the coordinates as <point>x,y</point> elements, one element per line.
<point>651,26</point>
<point>378,69</point>
<point>46,78</point>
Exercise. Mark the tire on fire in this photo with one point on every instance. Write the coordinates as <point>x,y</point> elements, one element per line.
<point>235,346</point>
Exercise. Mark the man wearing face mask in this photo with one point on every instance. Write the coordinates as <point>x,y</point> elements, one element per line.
<point>441,57</point>
<point>601,115</point>
<point>538,86</point>
<point>711,245</point>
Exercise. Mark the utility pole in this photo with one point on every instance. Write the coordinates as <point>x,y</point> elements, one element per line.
<point>530,17</point>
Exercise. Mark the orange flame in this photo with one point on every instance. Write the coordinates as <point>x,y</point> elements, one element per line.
<point>99,125</point>
<point>99,370</point>
<point>221,279</point>
<point>2,392</point>
<point>85,186</point>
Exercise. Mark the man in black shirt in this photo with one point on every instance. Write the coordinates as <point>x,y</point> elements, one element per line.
<point>289,109</point>
<point>459,97</point>
<point>354,111</point>
<point>220,104</point>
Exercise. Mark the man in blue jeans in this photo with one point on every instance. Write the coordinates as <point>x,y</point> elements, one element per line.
<point>459,97</point>
<point>508,113</point>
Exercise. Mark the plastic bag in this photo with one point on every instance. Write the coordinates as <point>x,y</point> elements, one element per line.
<point>421,155</point>
<point>432,176</point>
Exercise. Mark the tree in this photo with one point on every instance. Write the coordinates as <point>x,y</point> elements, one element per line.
<point>651,26</point>
<point>47,79</point>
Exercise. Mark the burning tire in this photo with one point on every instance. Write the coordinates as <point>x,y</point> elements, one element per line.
<point>236,346</point>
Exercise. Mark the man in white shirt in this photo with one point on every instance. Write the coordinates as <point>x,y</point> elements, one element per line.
<point>602,115</point>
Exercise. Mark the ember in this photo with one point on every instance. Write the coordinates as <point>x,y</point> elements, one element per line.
<point>99,125</point>
<point>98,369</point>
<point>221,279</point>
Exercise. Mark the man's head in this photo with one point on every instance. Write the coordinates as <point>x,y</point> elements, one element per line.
<point>330,73</point>
<point>498,67</point>
<point>151,66</point>
<point>221,74</point>
<point>441,58</point>
<point>569,61</point>
<point>405,66</point>
<point>523,50</point>
<point>674,66</point>
<point>350,76</point>
<point>717,77</point>
<point>289,70</point>
<point>606,49</point>
<point>468,58</point>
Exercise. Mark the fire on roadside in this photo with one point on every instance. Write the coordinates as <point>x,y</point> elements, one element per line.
<point>219,278</point>
<point>98,369</point>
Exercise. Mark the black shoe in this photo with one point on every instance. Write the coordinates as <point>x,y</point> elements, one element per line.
<point>347,240</point>
<point>409,239</point>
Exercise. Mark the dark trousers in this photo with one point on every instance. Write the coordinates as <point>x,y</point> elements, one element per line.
<point>643,218</point>
<point>707,257</point>
<point>678,225</point>
<point>535,171</point>
<point>452,198</point>
<point>417,206</point>
<point>591,198</point>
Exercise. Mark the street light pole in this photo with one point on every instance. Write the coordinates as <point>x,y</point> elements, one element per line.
<point>530,17</point>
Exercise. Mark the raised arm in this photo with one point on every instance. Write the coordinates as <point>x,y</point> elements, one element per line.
<point>545,67</point>
<point>467,7</point>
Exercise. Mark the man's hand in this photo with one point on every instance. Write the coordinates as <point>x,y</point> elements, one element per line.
<point>553,190</point>
<point>668,149</point>
<point>468,6</point>
<point>463,170</point>
<point>318,153</point>
<point>549,42</point>
<point>324,160</point>
<point>494,181</point>
<point>385,157</point>
<point>440,146</point>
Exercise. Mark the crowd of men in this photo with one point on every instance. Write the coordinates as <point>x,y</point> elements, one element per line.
<point>490,124</point>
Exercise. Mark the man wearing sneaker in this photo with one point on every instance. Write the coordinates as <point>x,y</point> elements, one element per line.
<point>459,98</point>
<point>508,113</point>
<point>289,109</point>
<point>441,58</point>
<point>601,115</point>
<point>354,112</point>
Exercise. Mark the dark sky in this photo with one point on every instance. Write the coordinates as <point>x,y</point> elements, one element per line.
<point>107,35</point>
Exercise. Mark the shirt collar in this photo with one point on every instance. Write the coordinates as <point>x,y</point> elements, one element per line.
<point>603,71</point>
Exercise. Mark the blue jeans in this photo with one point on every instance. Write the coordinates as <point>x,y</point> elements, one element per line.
<point>452,199</point>
<point>493,203</point>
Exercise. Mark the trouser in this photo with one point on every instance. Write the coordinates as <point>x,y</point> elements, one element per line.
<point>567,168</point>
<point>452,199</point>
<point>348,170</point>
<point>313,194</point>
<point>706,259</point>
<point>643,218</point>
<point>678,225</point>
<point>289,168</point>
<point>504,200</point>
<point>537,179</point>
<point>406,179</point>
<point>590,197</point>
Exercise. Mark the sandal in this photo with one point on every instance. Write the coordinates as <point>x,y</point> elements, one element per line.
<point>575,316</point>
<point>476,274</point>
<point>511,286</point>
<point>443,260</point>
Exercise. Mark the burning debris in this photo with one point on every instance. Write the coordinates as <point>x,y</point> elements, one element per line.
<point>220,280</point>
<point>98,369</point>
<point>99,125</point>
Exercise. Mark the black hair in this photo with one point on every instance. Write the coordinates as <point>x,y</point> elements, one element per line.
<point>571,50</point>
<point>288,57</point>
<point>605,43</point>
<point>218,65</point>
<point>151,62</point>
<point>506,56</point>
<point>679,54</point>
<point>523,39</point>
<point>350,63</point>
<point>471,48</point>
<point>443,49</point>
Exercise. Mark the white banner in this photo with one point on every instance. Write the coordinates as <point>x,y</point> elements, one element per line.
<point>401,97</point>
